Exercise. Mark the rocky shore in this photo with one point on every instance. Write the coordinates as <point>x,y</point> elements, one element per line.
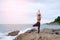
<point>45,34</point>
<point>14,33</point>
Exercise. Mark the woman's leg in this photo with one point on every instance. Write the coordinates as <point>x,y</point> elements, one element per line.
<point>39,28</point>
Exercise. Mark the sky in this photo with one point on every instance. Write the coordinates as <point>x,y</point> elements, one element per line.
<point>24,11</point>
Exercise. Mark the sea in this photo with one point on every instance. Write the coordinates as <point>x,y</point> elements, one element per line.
<point>6,28</point>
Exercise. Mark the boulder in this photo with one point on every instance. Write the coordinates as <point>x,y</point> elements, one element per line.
<point>45,34</point>
<point>29,35</point>
<point>14,33</point>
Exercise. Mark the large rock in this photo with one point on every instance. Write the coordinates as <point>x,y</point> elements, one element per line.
<point>29,35</point>
<point>45,34</point>
<point>14,33</point>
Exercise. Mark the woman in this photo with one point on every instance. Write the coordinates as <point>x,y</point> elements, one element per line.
<point>38,20</point>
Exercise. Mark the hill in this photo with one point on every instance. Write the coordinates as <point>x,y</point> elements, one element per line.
<point>56,21</point>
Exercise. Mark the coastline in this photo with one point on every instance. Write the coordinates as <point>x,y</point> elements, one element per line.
<point>45,34</point>
<point>32,34</point>
<point>48,30</point>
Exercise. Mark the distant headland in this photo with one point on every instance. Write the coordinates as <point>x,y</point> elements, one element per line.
<point>56,21</point>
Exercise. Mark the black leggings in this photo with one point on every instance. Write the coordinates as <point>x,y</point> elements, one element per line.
<point>39,28</point>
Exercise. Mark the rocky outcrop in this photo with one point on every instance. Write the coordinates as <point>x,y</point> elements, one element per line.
<point>29,35</point>
<point>45,34</point>
<point>51,31</point>
<point>14,33</point>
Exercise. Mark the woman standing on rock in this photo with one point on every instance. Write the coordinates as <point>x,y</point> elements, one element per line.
<point>38,20</point>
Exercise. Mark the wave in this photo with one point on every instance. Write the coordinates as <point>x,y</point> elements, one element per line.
<point>3,36</point>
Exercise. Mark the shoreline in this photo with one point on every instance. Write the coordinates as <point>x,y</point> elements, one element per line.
<point>45,34</point>
<point>32,34</point>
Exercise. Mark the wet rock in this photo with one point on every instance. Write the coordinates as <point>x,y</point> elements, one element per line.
<point>14,33</point>
<point>29,35</point>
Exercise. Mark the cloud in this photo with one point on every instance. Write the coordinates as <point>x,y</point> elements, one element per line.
<point>15,11</point>
<point>24,11</point>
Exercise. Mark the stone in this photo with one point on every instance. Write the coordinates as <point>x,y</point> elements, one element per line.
<point>14,33</point>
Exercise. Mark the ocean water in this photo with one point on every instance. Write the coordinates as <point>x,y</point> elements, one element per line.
<point>12,27</point>
<point>5,28</point>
